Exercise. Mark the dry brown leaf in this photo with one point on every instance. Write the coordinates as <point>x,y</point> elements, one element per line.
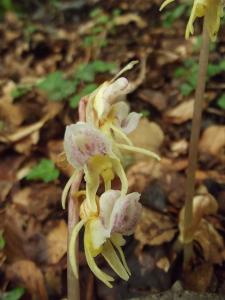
<point>155,98</point>
<point>147,135</point>
<point>128,18</point>
<point>203,205</point>
<point>25,145</point>
<point>213,140</point>
<point>179,147</point>
<point>55,151</point>
<point>26,272</point>
<point>154,228</point>
<point>199,278</point>
<point>11,114</point>
<point>8,168</point>
<point>52,109</point>
<point>211,242</point>
<point>57,242</point>
<point>181,113</point>
<point>163,263</point>
<point>140,174</point>
<point>38,199</point>
<point>53,280</point>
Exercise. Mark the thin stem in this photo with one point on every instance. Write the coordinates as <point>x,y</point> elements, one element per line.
<point>195,133</point>
<point>73,290</point>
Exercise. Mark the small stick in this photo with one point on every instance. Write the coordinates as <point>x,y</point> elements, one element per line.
<point>195,133</point>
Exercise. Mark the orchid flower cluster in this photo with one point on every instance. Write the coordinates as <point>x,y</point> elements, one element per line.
<point>94,146</point>
<point>212,10</point>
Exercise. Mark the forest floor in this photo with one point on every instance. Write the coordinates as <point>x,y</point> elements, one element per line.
<point>49,60</point>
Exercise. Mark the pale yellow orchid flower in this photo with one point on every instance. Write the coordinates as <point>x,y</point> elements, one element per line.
<point>106,111</point>
<point>87,148</point>
<point>117,216</point>
<point>212,10</point>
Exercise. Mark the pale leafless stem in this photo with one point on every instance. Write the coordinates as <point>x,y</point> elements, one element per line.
<point>195,133</point>
<point>73,290</point>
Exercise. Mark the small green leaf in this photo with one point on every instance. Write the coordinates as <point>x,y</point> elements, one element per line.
<point>116,12</point>
<point>74,101</point>
<point>85,73</point>
<point>2,241</point>
<point>20,91</point>
<point>221,102</point>
<point>186,89</point>
<point>145,113</point>
<point>88,41</point>
<point>45,171</point>
<point>100,66</point>
<point>96,12</point>
<point>170,16</point>
<point>15,294</point>
<point>56,87</point>
<point>104,19</point>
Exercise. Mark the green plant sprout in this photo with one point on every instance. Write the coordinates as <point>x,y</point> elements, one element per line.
<point>169,17</point>
<point>102,23</point>
<point>45,170</point>
<point>59,88</point>
<point>14,294</point>
<point>211,11</point>
<point>188,74</point>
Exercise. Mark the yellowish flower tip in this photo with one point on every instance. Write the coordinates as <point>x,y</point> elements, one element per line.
<point>211,10</point>
<point>165,3</point>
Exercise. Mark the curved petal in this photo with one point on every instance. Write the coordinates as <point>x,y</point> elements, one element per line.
<point>137,149</point>
<point>98,235</point>
<point>92,185</point>
<point>119,241</point>
<point>118,168</point>
<point>91,262</point>
<point>66,189</point>
<point>125,214</point>
<point>72,246</point>
<point>109,253</point>
<point>131,122</point>
<point>106,204</point>
<point>165,3</point>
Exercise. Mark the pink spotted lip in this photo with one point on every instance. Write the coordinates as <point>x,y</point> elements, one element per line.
<point>119,214</point>
<point>82,141</point>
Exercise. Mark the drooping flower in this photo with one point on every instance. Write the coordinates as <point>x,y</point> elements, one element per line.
<point>106,111</point>
<point>116,216</point>
<point>87,148</point>
<point>212,10</point>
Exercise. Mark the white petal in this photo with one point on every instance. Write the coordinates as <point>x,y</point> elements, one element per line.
<point>98,234</point>
<point>106,204</point>
<point>121,110</point>
<point>131,122</point>
<point>82,141</point>
<point>125,214</point>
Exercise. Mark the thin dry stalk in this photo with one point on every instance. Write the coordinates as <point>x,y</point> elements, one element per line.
<point>195,133</point>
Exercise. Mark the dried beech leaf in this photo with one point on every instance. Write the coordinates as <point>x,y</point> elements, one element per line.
<point>199,279</point>
<point>147,135</point>
<point>140,174</point>
<point>57,242</point>
<point>203,205</point>
<point>211,242</point>
<point>181,113</point>
<point>213,140</point>
<point>26,272</point>
<point>154,228</point>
